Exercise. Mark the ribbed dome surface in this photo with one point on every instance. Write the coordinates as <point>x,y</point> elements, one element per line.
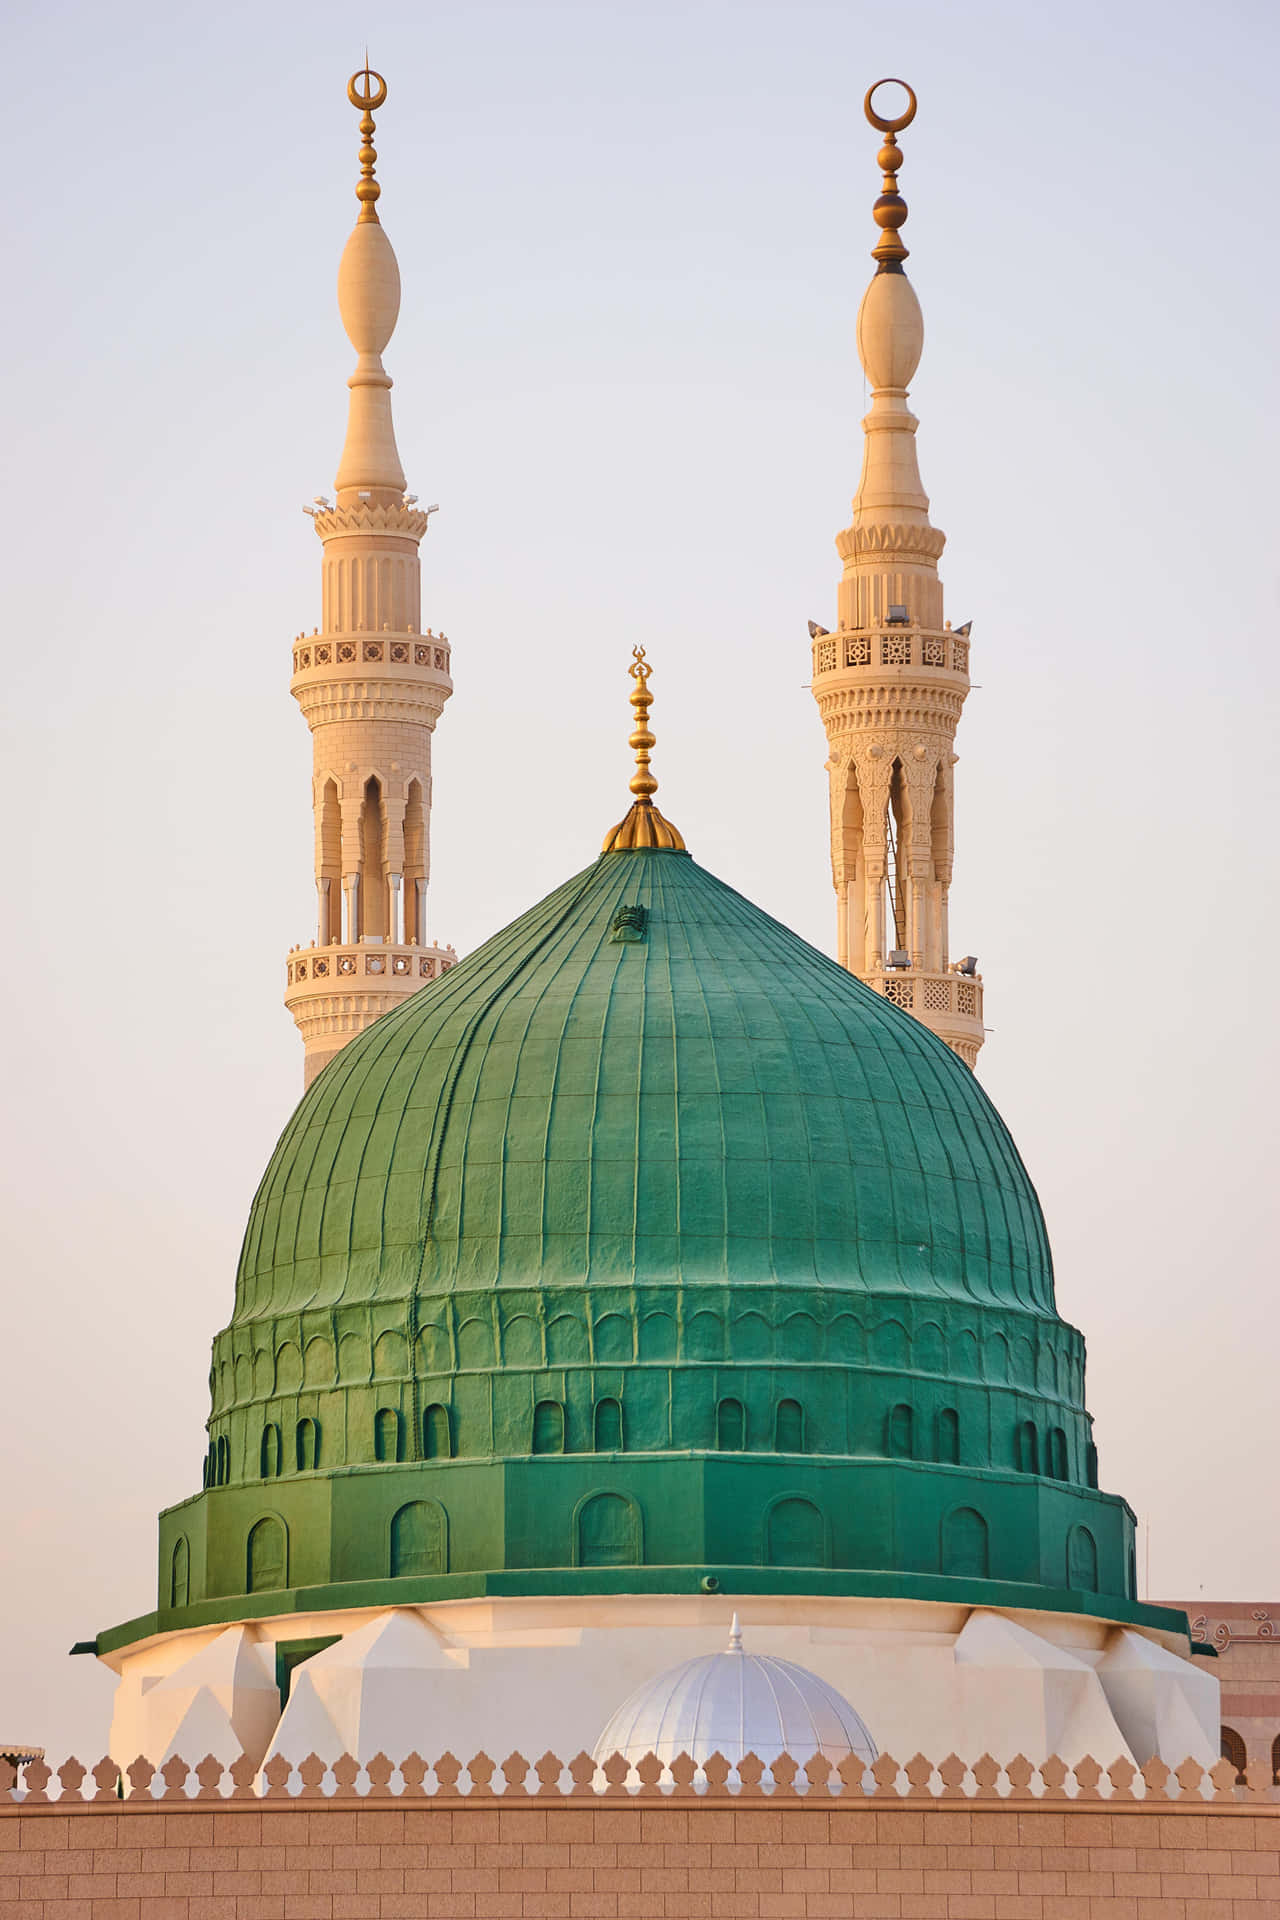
<point>713,1100</point>
<point>735,1703</point>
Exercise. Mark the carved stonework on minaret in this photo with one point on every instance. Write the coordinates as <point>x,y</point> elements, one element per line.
<point>371,684</point>
<point>891,681</point>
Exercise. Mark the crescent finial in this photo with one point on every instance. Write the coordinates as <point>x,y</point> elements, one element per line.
<point>367,97</point>
<point>890,210</point>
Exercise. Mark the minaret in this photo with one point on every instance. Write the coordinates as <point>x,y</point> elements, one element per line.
<point>371,683</point>
<point>891,680</point>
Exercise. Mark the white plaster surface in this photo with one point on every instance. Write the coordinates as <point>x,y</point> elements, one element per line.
<point>546,1674</point>
<point>1162,1704</point>
<point>215,1694</point>
<point>1019,1693</point>
<point>375,1691</point>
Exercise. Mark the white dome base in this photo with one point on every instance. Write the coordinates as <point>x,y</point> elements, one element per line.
<point>539,1675</point>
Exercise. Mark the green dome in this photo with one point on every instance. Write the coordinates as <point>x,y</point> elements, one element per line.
<point>715,1101</point>
<point>646,1248</point>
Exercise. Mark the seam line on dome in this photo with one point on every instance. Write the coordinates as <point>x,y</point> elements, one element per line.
<point>440,1127</point>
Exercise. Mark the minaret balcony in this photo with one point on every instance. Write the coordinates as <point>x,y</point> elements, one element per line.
<point>363,676</point>
<point>948,1003</point>
<point>368,965</point>
<point>314,652</point>
<point>877,652</point>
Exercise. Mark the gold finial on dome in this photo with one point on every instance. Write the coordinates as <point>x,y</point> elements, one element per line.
<point>890,210</point>
<point>367,97</point>
<point>644,826</point>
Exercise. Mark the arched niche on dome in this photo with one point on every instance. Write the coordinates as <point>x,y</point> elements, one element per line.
<point>1082,1561</point>
<point>353,1357</point>
<point>317,1362</point>
<point>288,1368</point>
<point>1022,1362</point>
<point>900,1432</point>
<point>889,1347</point>
<point>1091,1465</point>
<point>306,1445</point>
<point>997,1358</point>
<point>1026,1447</point>
<point>244,1377</point>
<point>271,1452</point>
<point>966,1548</point>
<point>658,1337</point>
<point>800,1337</point>
<point>967,1364</point>
<point>947,1437</point>
<point>521,1341</point>
<point>613,1338</point>
<point>1056,1460</point>
<point>930,1349</point>
<point>434,1350</point>
<point>608,1426</point>
<point>608,1531</point>
<point>437,1432</point>
<point>180,1572</point>
<point>264,1374</point>
<point>267,1555</point>
<point>548,1427</point>
<point>846,1340</point>
<point>704,1336</point>
<point>751,1337</point>
<point>567,1341</point>
<point>731,1425</point>
<point>795,1533</point>
<point>390,1357</point>
<point>388,1434</point>
<point>788,1427</point>
<point>419,1540</point>
<point>475,1344</point>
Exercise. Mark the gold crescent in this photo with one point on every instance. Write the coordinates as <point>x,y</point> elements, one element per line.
<point>878,119</point>
<point>370,100</point>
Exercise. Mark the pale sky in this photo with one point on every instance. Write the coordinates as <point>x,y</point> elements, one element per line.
<point>633,239</point>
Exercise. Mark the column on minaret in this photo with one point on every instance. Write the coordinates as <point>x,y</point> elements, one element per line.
<point>891,681</point>
<point>371,684</point>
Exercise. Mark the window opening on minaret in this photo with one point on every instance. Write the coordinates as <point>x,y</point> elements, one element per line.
<point>373,875</point>
<point>415,866</point>
<point>330,886</point>
<point>896,819</point>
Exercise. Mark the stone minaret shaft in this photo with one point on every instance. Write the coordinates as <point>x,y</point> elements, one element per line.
<point>890,682</point>
<point>371,683</point>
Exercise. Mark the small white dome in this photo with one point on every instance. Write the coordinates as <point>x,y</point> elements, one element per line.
<point>736,1703</point>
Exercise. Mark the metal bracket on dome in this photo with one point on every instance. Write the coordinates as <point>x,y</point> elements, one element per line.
<point>629,924</point>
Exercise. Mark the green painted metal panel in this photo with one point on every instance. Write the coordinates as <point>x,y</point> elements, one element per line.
<point>700,1171</point>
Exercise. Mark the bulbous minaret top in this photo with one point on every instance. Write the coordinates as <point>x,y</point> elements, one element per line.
<point>891,681</point>
<point>890,339</point>
<point>369,302</point>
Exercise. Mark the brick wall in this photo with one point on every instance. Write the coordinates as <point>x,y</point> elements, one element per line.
<point>377,1859</point>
